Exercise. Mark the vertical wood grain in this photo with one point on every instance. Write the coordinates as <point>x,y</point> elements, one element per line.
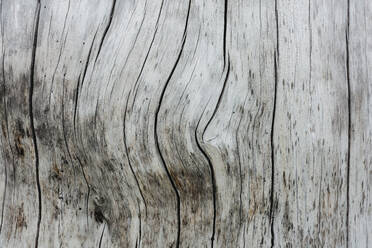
<point>20,209</point>
<point>359,38</point>
<point>226,123</point>
<point>311,126</point>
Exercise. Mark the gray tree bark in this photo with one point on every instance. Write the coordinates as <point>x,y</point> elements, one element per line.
<point>229,123</point>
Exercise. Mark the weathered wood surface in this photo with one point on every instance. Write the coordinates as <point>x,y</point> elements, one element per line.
<point>235,123</point>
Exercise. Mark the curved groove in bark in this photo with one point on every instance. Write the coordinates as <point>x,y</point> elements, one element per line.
<point>158,147</point>
<point>129,163</point>
<point>275,144</point>
<point>148,52</point>
<point>134,98</point>
<point>130,50</point>
<point>156,124</point>
<point>272,152</point>
<point>101,238</point>
<point>276,60</point>
<point>32,71</point>
<point>225,31</point>
<point>4,197</point>
<point>77,158</point>
<point>6,121</point>
<point>220,96</point>
<point>206,155</point>
<point>106,29</point>
<point>140,225</point>
<point>212,178</point>
<point>310,41</point>
<point>60,51</point>
<point>80,83</point>
<point>240,169</point>
<point>349,121</point>
<point>277,28</point>
<point>5,167</point>
<point>76,102</point>
<point>88,186</point>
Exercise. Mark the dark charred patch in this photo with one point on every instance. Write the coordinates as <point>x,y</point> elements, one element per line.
<point>98,215</point>
<point>102,206</point>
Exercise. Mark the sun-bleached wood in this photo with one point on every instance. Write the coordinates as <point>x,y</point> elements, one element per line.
<point>229,123</point>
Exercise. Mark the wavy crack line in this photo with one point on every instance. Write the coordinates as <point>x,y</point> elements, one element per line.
<point>156,125</point>
<point>273,152</point>
<point>32,72</point>
<point>106,29</point>
<point>349,122</point>
<point>225,31</point>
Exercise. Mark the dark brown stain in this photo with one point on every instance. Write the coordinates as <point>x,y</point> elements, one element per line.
<point>20,218</point>
<point>19,148</point>
<point>19,135</point>
<point>56,173</point>
<point>3,129</point>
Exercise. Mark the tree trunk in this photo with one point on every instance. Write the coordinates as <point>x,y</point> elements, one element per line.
<point>240,123</point>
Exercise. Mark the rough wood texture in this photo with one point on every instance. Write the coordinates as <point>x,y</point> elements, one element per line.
<point>230,123</point>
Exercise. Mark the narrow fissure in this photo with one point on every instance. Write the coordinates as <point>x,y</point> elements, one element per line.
<point>32,72</point>
<point>76,101</point>
<point>5,166</point>
<point>220,96</point>
<point>349,123</point>
<point>80,83</point>
<point>134,98</point>
<point>212,180</point>
<point>160,153</point>
<point>4,197</point>
<point>101,238</point>
<point>106,29</point>
<point>60,50</point>
<point>129,163</point>
<point>147,54</point>
<point>206,156</point>
<point>156,127</point>
<point>310,42</point>
<point>240,172</point>
<point>277,28</point>
<point>3,77</point>
<point>276,59</point>
<point>140,227</point>
<point>273,149</point>
<point>225,31</point>
<point>88,186</point>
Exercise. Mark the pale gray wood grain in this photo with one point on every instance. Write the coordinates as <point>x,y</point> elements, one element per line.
<point>21,207</point>
<point>163,123</point>
<point>63,43</point>
<point>360,62</point>
<point>311,126</point>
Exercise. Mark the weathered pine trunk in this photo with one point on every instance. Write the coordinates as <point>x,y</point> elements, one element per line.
<point>194,123</point>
